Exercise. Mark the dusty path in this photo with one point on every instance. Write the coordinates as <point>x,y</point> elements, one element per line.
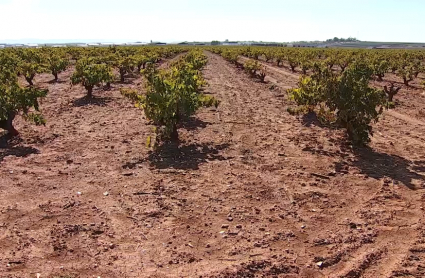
<point>251,191</point>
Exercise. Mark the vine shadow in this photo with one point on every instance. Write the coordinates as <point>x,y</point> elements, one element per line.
<point>59,81</point>
<point>380,165</point>
<point>185,157</point>
<point>9,147</point>
<point>193,123</point>
<point>373,163</point>
<point>311,119</point>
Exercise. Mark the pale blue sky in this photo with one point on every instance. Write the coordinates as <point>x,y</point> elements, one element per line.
<point>206,20</point>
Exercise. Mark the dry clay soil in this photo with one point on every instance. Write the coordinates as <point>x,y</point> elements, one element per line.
<point>251,191</point>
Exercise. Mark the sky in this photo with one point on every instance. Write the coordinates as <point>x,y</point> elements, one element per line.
<point>207,20</point>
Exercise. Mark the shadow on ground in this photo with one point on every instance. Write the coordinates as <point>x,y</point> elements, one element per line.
<point>184,157</point>
<point>56,81</point>
<point>372,163</point>
<point>311,119</point>
<point>10,147</point>
<point>193,123</point>
<point>380,165</point>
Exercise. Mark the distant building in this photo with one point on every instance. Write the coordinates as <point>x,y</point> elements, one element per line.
<point>31,45</point>
<point>231,43</point>
<point>106,44</point>
<point>137,43</point>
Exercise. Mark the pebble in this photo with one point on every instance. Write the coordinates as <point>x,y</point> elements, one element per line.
<point>230,219</point>
<point>106,193</point>
<point>319,264</point>
<point>238,226</point>
<point>225,226</point>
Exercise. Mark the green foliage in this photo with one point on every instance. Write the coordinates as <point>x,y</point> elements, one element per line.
<point>380,67</point>
<point>292,60</point>
<point>407,73</point>
<point>90,74</point>
<point>269,55</point>
<point>140,61</point>
<point>391,91</point>
<point>311,90</point>
<point>254,68</point>
<point>9,62</point>
<point>125,64</point>
<point>231,56</point>
<point>172,95</point>
<point>31,63</point>
<point>56,62</point>
<point>15,99</point>
<point>343,99</point>
<point>75,53</point>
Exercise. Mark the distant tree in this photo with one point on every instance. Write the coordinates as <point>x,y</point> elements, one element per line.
<point>215,43</point>
<point>336,39</point>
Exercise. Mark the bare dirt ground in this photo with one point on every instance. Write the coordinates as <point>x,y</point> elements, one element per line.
<point>251,191</point>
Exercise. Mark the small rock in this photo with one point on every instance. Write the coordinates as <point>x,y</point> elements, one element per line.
<point>106,193</point>
<point>238,226</point>
<point>230,219</point>
<point>225,226</point>
<point>79,193</point>
<point>303,227</point>
<point>320,264</point>
<point>207,246</point>
<point>38,275</point>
